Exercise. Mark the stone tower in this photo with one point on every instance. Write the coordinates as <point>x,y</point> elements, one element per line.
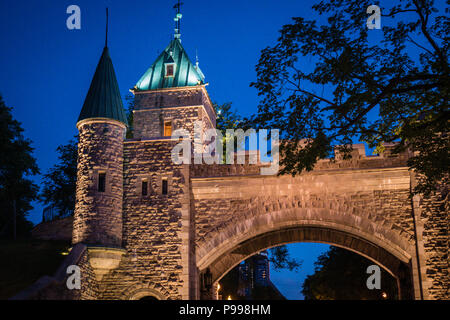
<point>157,216</point>
<point>102,126</point>
<point>171,95</point>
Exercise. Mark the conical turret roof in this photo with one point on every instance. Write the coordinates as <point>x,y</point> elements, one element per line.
<point>103,99</point>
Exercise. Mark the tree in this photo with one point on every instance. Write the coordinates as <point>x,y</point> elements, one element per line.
<point>17,164</point>
<point>281,259</point>
<point>341,275</point>
<point>227,118</point>
<point>129,98</point>
<point>60,181</point>
<point>394,90</point>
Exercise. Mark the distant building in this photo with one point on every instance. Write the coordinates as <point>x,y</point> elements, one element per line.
<point>254,275</point>
<point>261,269</point>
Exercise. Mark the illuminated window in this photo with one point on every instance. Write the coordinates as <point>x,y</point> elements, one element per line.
<point>167,128</point>
<point>144,187</point>
<point>101,182</point>
<point>165,186</point>
<point>170,70</point>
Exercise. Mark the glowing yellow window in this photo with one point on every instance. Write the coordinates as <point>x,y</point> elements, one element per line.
<point>167,128</point>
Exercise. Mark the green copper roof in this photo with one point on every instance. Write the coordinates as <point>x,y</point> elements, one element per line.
<point>185,72</point>
<point>103,99</point>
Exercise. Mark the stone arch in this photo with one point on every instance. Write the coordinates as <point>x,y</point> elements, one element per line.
<point>137,292</point>
<point>229,245</point>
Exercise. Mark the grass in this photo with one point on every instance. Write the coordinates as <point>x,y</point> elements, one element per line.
<point>22,262</point>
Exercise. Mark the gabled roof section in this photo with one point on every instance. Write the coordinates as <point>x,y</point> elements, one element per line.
<point>103,99</point>
<point>186,73</point>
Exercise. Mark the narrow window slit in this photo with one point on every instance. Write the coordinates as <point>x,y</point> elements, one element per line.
<point>144,188</point>
<point>164,186</point>
<point>101,182</point>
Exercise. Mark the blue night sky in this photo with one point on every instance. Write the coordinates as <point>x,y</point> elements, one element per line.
<point>46,69</point>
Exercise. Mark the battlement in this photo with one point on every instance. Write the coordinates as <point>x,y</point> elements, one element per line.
<point>359,160</point>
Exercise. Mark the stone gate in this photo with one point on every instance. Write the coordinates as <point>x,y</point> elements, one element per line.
<point>147,227</point>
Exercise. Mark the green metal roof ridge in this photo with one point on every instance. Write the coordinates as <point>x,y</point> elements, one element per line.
<point>186,73</point>
<point>103,99</point>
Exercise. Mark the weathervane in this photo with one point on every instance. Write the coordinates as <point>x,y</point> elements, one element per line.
<point>177,19</point>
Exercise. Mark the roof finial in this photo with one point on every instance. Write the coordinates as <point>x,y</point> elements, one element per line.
<point>177,19</point>
<point>196,58</point>
<point>106,38</point>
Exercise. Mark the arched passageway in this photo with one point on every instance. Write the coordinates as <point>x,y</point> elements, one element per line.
<point>395,263</point>
<point>365,211</point>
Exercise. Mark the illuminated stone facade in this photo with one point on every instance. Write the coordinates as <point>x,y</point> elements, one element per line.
<point>214,216</point>
<point>193,223</point>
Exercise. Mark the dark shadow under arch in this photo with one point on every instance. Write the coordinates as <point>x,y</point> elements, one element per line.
<point>401,270</point>
<point>151,298</point>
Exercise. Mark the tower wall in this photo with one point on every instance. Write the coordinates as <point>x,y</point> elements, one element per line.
<point>98,215</point>
<point>156,227</point>
<point>182,106</point>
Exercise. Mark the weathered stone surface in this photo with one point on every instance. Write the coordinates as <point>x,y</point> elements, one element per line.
<point>98,215</point>
<point>213,216</point>
<point>434,220</point>
<point>181,106</point>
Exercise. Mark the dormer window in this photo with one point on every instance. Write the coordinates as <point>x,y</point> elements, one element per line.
<point>170,70</point>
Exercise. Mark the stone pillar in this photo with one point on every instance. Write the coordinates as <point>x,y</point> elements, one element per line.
<point>206,286</point>
<point>98,213</point>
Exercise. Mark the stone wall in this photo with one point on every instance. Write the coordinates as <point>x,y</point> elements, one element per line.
<point>216,215</point>
<point>380,196</point>
<point>98,215</point>
<point>149,123</point>
<point>434,224</point>
<point>155,226</point>
<point>367,197</point>
<point>181,106</point>
<point>232,203</point>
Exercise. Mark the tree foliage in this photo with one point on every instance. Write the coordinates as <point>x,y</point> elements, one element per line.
<point>327,84</point>
<point>227,118</point>
<point>281,259</point>
<point>60,181</point>
<point>341,275</point>
<point>129,98</point>
<point>17,164</point>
